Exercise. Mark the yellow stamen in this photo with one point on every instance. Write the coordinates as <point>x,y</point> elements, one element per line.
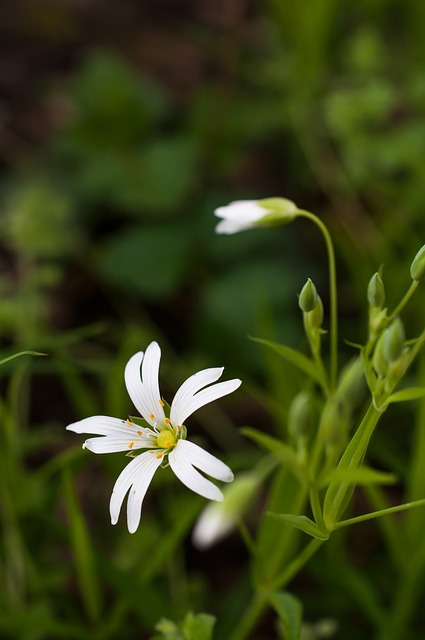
<point>140,433</point>
<point>130,424</point>
<point>167,420</point>
<point>179,428</point>
<point>161,403</point>
<point>151,416</point>
<point>159,455</point>
<point>131,445</point>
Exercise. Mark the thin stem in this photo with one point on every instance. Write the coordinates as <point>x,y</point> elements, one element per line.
<point>297,563</point>
<point>246,537</point>
<point>405,299</point>
<point>332,294</point>
<point>251,618</point>
<point>378,514</point>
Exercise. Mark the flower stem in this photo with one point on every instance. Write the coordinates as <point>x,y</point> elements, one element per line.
<point>332,293</point>
<point>405,299</point>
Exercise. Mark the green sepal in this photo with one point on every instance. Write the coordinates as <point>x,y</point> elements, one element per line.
<point>290,611</point>
<point>281,450</point>
<point>302,523</point>
<point>412,393</point>
<point>141,422</point>
<point>365,476</point>
<point>294,357</point>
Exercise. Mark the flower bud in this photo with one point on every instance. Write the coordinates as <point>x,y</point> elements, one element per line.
<point>393,341</point>
<point>300,416</point>
<point>378,361</point>
<point>218,519</point>
<point>376,291</point>
<point>278,210</point>
<point>331,424</point>
<point>417,269</point>
<point>314,318</point>
<point>352,384</point>
<point>308,297</point>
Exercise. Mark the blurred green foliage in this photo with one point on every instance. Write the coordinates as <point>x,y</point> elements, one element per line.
<point>111,219</point>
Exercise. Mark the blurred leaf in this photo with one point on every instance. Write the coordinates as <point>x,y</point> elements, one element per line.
<point>114,105</point>
<point>22,353</point>
<point>198,627</point>
<point>83,552</point>
<point>281,450</point>
<point>302,523</point>
<point>151,262</point>
<point>289,610</point>
<point>361,475</point>
<point>294,357</point>
<point>413,393</point>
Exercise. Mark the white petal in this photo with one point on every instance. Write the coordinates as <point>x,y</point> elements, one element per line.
<point>103,426</point>
<point>188,390</point>
<point>144,391</point>
<point>137,475</point>
<point>204,461</point>
<point>204,397</point>
<point>181,462</point>
<point>107,444</point>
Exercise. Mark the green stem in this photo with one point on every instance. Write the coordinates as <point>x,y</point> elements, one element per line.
<point>251,618</point>
<point>337,492</point>
<point>332,294</point>
<point>259,603</point>
<point>377,514</point>
<point>297,564</point>
<point>405,299</point>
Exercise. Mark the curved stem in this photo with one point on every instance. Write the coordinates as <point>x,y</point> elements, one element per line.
<point>332,294</point>
<point>405,299</point>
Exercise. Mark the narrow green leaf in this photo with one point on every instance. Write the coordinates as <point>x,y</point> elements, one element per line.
<point>303,523</point>
<point>359,475</point>
<point>412,393</point>
<point>83,552</point>
<point>289,610</point>
<point>281,450</point>
<point>296,358</point>
<point>22,353</point>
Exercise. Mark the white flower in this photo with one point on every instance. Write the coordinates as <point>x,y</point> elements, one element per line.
<point>245,214</point>
<point>163,436</point>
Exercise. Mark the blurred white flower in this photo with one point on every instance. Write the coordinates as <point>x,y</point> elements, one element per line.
<point>246,214</point>
<point>163,436</point>
<point>217,520</point>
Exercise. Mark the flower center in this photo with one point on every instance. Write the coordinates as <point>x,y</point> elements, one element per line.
<point>166,439</point>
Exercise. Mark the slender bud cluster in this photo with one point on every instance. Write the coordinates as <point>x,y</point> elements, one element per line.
<point>312,307</point>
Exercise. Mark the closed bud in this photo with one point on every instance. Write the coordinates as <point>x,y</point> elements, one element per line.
<point>393,341</point>
<point>417,269</point>
<point>376,291</point>
<point>308,297</point>
<point>278,211</point>
<point>352,384</point>
<point>314,318</point>
<point>300,416</point>
<point>331,424</point>
<point>378,361</point>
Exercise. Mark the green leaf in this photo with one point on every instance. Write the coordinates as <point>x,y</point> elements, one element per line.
<point>198,627</point>
<point>360,475</point>
<point>281,450</point>
<point>22,353</point>
<point>412,393</point>
<point>83,552</point>
<point>289,610</point>
<point>302,523</point>
<point>293,356</point>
